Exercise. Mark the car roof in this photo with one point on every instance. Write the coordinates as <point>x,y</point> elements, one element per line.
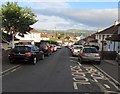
<point>88,47</point>
<point>24,46</point>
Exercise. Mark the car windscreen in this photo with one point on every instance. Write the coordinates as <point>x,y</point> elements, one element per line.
<point>90,50</point>
<point>22,49</point>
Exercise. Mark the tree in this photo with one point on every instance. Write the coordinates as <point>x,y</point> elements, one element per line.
<point>16,18</point>
<point>67,37</point>
<point>60,36</point>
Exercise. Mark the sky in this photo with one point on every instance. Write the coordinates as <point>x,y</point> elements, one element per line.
<point>74,14</point>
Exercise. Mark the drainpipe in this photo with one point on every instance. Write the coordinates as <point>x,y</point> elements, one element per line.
<point>13,39</point>
<point>114,46</point>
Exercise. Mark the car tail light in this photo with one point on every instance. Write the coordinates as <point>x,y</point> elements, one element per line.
<point>98,55</point>
<point>12,53</point>
<point>28,53</point>
<point>83,54</point>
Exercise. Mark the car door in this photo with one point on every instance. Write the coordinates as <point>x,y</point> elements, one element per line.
<point>36,51</point>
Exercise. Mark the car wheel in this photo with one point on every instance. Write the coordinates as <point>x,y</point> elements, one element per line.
<point>34,60</point>
<point>42,57</point>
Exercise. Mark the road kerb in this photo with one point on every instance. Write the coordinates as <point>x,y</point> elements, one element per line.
<point>112,79</point>
<point>14,67</point>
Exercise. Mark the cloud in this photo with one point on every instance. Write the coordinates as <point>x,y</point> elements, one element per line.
<point>62,15</point>
<point>91,17</point>
<point>50,22</point>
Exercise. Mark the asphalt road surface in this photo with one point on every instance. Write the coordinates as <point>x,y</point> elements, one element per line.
<point>60,72</point>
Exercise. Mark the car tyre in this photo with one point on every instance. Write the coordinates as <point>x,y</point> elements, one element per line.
<point>34,61</point>
<point>42,57</point>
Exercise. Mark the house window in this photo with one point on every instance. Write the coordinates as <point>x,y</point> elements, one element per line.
<point>99,36</point>
<point>103,37</point>
<point>33,36</point>
<point>107,36</point>
<point>30,35</point>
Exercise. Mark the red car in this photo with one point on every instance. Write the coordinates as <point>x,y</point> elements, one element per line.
<point>52,48</point>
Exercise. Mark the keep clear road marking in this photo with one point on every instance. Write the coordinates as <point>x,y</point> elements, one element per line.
<point>96,75</point>
<point>113,80</point>
<point>107,86</point>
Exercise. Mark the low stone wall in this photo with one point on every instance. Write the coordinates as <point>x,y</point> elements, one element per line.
<point>109,55</point>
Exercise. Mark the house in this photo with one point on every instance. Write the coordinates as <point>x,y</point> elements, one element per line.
<point>103,35</point>
<point>114,41</point>
<point>33,36</point>
<point>45,36</point>
<point>90,40</point>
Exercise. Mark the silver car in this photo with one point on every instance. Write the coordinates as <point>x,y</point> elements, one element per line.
<point>89,54</point>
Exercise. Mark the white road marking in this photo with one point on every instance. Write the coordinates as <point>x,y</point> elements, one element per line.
<point>107,86</point>
<point>109,77</point>
<point>10,69</point>
<point>111,92</point>
<point>79,64</point>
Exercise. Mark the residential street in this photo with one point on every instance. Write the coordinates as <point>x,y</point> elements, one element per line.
<point>60,72</point>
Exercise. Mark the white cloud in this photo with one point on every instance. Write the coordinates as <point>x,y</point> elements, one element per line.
<point>50,22</point>
<point>93,17</point>
<point>60,15</point>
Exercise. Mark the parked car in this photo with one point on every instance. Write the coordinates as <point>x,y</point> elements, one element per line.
<point>76,50</point>
<point>118,58</point>
<point>52,48</point>
<point>59,46</point>
<point>71,48</point>
<point>28,53</point>
<point>45,47</point>
<point>55,47</point>
<point>89,54</point>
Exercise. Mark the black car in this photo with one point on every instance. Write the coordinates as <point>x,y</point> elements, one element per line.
<point>45,47</point>
<point>28,53</point>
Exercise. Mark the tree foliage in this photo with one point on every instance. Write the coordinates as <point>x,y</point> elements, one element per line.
<point>67,37</point>
<point>16,18</point>
<point>60,36</point>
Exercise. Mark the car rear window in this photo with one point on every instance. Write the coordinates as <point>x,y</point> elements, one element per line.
<point>77,47</point>
<point>22,49</point>
<point>90,50</point>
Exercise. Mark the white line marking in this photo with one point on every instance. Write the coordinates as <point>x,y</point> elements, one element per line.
<point>9,69</point>
<point>108,77</point>
<point>79,64</point>
<point>107,86</point>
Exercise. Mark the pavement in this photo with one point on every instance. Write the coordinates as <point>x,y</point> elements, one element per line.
<point>111,62</point>
<point>5,61</point>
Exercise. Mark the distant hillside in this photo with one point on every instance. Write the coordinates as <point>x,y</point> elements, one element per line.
<point>69,31</point>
